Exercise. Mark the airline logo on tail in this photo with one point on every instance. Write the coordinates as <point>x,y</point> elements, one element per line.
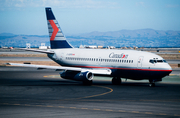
<point>57,38</point>
<point>55,29</point>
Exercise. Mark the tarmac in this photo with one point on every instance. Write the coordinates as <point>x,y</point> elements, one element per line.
<point>27,92</point>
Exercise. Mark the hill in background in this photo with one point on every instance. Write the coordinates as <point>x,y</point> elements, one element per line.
<point>122,38</point>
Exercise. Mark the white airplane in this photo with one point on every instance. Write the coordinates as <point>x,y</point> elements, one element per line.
<point>83,64</point>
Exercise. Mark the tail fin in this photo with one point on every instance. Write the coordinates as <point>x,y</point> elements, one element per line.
<point>57,38</point>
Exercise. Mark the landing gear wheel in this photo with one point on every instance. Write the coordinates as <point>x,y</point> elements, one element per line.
<point>116,81</point>
<point>151,83</point>
<point>87,83</point>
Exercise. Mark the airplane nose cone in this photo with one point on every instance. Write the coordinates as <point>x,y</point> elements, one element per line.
<point>169,69</point>
<point>166,70</point>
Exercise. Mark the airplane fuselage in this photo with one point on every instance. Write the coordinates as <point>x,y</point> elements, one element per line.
<point>129,64</point>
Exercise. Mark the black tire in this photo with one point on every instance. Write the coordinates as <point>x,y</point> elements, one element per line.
<point>152,84</point>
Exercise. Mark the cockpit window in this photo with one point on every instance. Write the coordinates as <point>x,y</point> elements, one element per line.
<point>164,61</point>
<point>151,61</point>
<point>157,61</point>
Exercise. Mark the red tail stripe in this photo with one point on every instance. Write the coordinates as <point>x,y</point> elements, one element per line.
<point>55,30</point>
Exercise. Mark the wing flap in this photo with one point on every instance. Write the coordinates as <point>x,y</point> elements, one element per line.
<point>94,71</point>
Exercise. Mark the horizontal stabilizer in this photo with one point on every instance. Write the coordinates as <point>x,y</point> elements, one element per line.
<point>35,50</point>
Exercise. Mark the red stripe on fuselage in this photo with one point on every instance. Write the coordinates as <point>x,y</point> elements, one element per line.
<point>55,30</point>
<point>125,68</point>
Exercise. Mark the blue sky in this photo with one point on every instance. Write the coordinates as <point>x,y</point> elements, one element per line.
<point>84,16</point>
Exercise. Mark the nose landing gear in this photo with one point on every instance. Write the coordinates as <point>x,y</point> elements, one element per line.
<point>152,82</point>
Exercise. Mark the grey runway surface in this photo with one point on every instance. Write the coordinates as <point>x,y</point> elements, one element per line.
<point>27,92</point>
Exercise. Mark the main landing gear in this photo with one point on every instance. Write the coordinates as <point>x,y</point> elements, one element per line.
<point>152,83</point>
<point>116,81</point>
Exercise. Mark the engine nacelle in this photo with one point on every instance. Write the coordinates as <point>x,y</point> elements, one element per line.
<point>78,76</point>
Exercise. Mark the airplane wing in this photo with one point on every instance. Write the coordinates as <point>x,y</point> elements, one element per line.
<point>35,50</point>
<point>92,70</point>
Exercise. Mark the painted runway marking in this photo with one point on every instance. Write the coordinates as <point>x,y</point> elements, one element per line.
<point>162,114</point>
<point>53,76</point>
<point>109,110</point>
<point>84,108</point>
<point>49,106</point>
<point>135,111</point>
<point>61,106</point>
<point>96,95</point>
<point>148,113</point>
<point>73,107</point>
<point>176,115</point>
<point>111,90</point>
<point>122,111</point>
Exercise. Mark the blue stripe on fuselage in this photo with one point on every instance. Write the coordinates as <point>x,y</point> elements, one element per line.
<point>56,44</point>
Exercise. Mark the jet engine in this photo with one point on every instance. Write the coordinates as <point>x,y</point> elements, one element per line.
<point>85,77</point>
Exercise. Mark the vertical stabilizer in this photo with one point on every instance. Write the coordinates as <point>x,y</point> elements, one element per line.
<point>57,38</point>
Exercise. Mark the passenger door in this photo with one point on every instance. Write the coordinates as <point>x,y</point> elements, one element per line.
<point>61,56</point>
<point>139,63</point>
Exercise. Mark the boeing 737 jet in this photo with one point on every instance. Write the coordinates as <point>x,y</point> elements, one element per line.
<point>83,64</point>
